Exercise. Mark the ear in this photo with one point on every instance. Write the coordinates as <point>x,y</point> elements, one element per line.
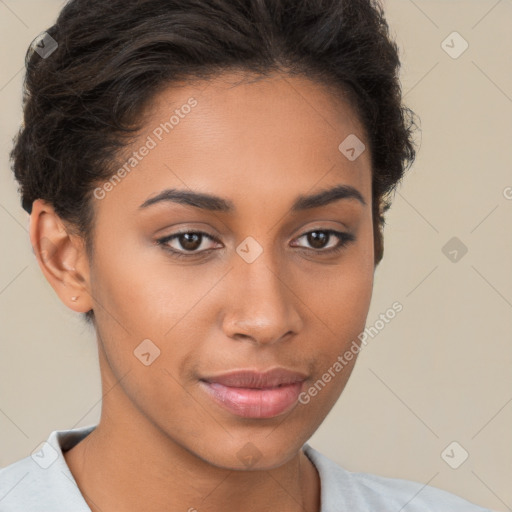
<point>61,256</point>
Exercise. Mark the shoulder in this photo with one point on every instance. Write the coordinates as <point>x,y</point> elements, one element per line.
<point>364,491</point>
<point>42,481</point>
<point>24,485</point>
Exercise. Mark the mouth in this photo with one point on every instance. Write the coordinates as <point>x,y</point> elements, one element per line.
<point>253,394</point>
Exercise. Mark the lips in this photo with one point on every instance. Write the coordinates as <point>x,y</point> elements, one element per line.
<point>257,380</point>
<point>253,394</point>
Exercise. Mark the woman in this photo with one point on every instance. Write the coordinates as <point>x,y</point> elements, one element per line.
<point>207,183</point>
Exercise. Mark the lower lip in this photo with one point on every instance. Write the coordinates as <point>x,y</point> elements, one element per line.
<point>254,403</point>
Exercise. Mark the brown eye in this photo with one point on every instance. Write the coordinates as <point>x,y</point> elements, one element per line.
<point>318,239</point>
<point>187,242</point>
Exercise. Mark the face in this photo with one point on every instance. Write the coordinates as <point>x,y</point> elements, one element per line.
<point>187,289</point>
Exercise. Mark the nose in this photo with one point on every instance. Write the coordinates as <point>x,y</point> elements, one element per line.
<point>262,306</point>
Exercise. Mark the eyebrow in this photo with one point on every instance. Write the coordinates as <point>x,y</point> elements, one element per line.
<point>219,204</point>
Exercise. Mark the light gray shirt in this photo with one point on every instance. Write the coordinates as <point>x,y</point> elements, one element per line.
<point>42,482</point>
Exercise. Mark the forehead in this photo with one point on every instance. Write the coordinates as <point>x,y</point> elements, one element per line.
<point>240,136</point>
<point>279,108</point>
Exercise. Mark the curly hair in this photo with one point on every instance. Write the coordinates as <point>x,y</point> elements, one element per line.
<point>82,104</point>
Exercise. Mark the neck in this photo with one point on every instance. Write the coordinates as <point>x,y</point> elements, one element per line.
<point>120,470</point>
<point>128,463</point>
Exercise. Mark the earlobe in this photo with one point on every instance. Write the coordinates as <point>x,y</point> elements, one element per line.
<point>61,256</point>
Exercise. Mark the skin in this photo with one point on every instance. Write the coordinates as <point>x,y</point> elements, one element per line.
<point>162,443</point>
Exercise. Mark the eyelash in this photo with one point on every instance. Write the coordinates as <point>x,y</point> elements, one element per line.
<point>344,240</point>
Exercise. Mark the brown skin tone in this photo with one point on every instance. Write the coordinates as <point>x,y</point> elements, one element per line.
<point>162,443</point>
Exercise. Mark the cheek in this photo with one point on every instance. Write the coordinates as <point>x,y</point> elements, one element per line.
<point>142,290</point>
<point>338,299</point>
<point>341,310</point>
<point>340,295</point>
<point>143,317</point>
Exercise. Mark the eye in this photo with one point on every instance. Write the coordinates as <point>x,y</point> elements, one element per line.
<point>190,241</point>
<point>318,239</point>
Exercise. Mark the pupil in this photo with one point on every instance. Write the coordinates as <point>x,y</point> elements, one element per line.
<point>190,241</point>
<point>317,239</point>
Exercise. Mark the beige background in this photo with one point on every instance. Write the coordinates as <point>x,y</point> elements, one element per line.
<point>439,372</point>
